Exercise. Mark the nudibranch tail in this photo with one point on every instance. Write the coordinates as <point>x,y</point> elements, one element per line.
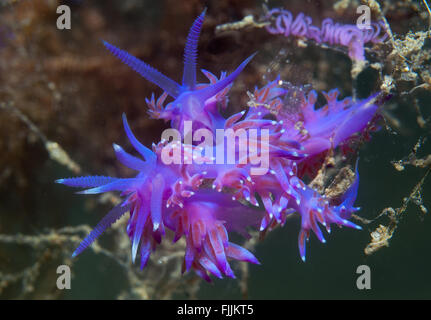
<point>350,195</point>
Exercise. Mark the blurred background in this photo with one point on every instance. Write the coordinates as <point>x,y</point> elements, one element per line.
<point>61,99</point>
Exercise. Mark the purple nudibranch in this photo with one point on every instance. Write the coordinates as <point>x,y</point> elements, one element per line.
<point>176,196</point>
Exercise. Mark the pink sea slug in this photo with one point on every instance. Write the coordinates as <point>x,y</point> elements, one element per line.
<point>204,201</point>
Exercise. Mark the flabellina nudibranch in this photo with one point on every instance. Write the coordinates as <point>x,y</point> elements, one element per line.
<point>204,200</point>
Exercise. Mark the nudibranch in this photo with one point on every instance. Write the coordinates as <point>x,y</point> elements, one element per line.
<point>204,200</point>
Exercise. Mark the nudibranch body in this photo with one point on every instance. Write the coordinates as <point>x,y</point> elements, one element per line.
<point>203,197</point>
